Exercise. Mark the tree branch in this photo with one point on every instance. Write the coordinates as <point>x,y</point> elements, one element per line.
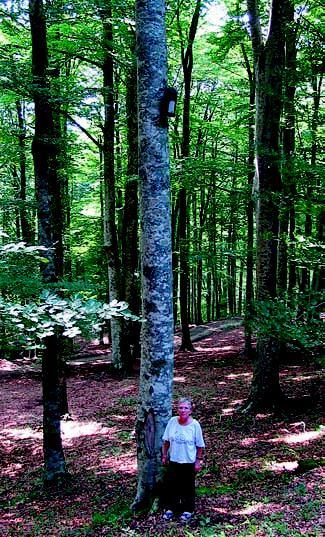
<point>85,131</point>
<point>255,27</point>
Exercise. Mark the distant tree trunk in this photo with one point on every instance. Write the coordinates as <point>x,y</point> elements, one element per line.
<point>120,360</point>
<point>318,283</point>
<point>130,239</point>
<point>208,296</point>
<point>288,174</point>
<point>27,232</point>
<point>175,242</point>
<point>249,292</point>
<point>240,289</point>
<point>156,250</point>
<point>204,200</point>
<point>231,262</point>
<point>187,64</point>
<point>47,187</point>
<point>268,63</point>
<point>312,181</point>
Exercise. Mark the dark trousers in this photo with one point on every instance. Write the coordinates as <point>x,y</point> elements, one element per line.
<point>179,489</point>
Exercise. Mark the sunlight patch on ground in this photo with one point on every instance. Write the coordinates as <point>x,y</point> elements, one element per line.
<point>258,507</point>
<point>299,438</point>
<point>118,417</point>
<point>5,365</point>
<point>227,411</point>
<point>214,349</point>
<point>75,429</point>
<point>302,378</point>
<point>22,434</point>
<point>230,409</point>
<point>278,467</point>
<point>246,442</point>
<point>179,379</point>
<point>238,375</point>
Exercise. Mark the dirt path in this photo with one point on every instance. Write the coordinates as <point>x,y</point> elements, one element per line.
<point>262,474</point>
<point>95,354</point>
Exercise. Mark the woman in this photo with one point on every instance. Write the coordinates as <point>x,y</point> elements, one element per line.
<point>183,447</point>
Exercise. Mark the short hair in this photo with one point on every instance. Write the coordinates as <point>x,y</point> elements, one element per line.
<point>185,400</point>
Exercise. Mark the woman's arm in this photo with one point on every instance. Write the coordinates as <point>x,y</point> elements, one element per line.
<point>165,449</point>
<point>198,460</point>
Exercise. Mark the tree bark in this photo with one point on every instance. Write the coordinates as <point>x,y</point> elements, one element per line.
<point>187,64</point>
<point>119,351</point>
<point>26,226</point>
<point>156,249</point>
<point>268,64</point>
<point>130,238</point>
<point>249,291</point>
<point>289,188</point>
<point>46,177</point>
<point>312,180</point>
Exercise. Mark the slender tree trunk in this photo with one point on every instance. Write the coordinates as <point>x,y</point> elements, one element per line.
<point>249,291</point>
<point>175,242</point>
<point>187,63</point>
<point>130,239</point>
<point>288,191</point>
<point>240,289</point>
<point>156,249</point>
<point>46,177</point>
<point>208,295</point>
<point>312,181</point>
<point>25,219</point>
<point>120,360</point>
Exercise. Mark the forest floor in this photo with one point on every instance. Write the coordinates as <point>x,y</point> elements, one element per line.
<point>262,474</point>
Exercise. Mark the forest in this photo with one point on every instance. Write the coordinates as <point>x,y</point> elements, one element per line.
<point>161,235</point>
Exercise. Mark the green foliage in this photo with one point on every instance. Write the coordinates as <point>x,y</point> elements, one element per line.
<point>26,325</point>
<point>219,490</point>
<point>29,313</point>
<point>19,270</point>
<point>298,324</point>
<point>120,513</point>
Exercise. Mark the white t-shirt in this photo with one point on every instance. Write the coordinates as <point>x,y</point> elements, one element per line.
<point>183,439</point>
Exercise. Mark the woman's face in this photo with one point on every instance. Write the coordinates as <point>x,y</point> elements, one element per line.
<point>184,410</point>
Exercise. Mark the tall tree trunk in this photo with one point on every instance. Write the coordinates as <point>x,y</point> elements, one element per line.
<point>130,239</point>
<point>288,174</point>
<point>268,64</point>
<point>240,288</point>
<point>208,295</point>
<point>61,226</point>
<point>47,187</point>
<point>110,229</point>
<point>312,181</point>
<point>175,243</point>
<point>156,249</point>
<point>187,64</point>
<point>25,219</point>
<point>249,291</point>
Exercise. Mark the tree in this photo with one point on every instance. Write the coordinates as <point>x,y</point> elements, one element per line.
<point>286,270</point>
<point>130,224</point>
<point>268,65</point>
<point>47,192</point>
<point>110,230</point>
<point>187,65</point>
<point>157,336</point>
